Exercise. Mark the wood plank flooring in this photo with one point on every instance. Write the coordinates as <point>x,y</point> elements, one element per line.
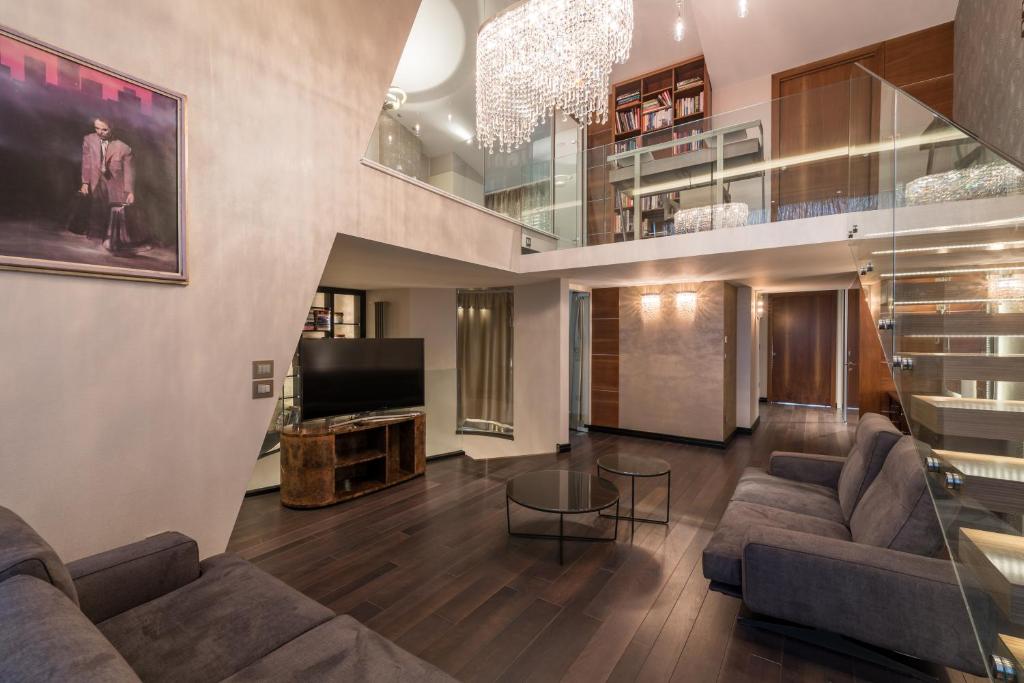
<point>429,565</point>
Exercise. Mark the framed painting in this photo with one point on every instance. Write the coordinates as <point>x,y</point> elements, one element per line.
<point>92,168</point>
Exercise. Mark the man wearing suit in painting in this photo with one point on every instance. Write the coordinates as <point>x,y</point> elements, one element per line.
<point>108,177</point>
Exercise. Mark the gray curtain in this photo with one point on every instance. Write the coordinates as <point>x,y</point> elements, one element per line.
<point>485,359</point>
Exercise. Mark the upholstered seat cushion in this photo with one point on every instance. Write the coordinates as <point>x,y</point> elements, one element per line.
<point>23,551</point>
<point>45,637</point>
<point>215,626</point>
<point>341,650</point>
<point>757,486</point>
<point>723,555</point>
<point>872,442</point>
<point>897,511</point>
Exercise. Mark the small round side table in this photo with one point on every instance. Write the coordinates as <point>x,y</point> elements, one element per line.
<point>634,466</point>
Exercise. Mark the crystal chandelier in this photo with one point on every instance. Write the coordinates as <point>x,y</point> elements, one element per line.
<point>540,55</point>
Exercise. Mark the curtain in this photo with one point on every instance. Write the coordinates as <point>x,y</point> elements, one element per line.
<point>485,360</point>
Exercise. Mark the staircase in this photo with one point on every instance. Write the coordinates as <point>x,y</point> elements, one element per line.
<point>942,270</point>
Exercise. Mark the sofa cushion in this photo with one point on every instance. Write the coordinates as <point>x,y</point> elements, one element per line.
<point>23,551</point>
<point>45,637</point>
<point>341,650</point>
<point>231,616</point>
<point>757,486</point>
<point>874,438</point>
<point>897,511</point>
<point>723,554</point>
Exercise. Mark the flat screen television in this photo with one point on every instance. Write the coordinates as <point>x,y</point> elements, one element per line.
<point>348,376</point>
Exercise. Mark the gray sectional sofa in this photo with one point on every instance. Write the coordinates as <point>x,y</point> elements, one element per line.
<point>848,546</point>
<point>152,611</point>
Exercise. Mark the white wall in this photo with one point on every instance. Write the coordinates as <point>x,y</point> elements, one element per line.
<point>128,413</point>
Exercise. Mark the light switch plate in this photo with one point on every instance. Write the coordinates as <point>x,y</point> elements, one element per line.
<point>263,388</point>
<point>263,369</point>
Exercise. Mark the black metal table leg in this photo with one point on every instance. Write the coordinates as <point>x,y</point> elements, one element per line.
<point>632,508</point>
<point>632,502</point>
<point>561,538</point>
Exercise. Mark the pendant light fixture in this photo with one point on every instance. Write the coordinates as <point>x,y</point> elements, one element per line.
<point>679,29</point>
<point>743,8</point>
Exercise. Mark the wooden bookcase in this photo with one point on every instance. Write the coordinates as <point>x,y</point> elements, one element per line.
<point>651,108</point>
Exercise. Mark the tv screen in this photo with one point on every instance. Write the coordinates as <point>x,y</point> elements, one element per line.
<point>346,376</point>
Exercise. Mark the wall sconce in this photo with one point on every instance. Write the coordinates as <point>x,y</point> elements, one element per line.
<point>759,309</point>
<point>650,302</point>
<point>686,301</point>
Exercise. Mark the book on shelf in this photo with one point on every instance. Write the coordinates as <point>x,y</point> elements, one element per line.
<point>688,146</point>
<point>663,100</point>
<point>625,145</point>
<point>688,106</point>
<point>650,227</point>
<point>690,82</point>
<point>657,120</point>
<point>624,221</point>
<point>627,120</point>
<point>627,98</point>
<point>623,201</point>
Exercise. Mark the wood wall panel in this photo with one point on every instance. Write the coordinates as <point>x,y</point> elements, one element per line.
<point>604,357</point>
<point>875,378</point>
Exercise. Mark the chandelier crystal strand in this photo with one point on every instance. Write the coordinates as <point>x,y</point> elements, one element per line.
<point>539,56</point>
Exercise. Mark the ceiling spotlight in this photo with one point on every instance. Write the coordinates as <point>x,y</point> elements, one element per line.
<point>743,8</point>
<point>679,30</point>
<point>469,140</point>
<point>449,117</point>
<point>395,98</point>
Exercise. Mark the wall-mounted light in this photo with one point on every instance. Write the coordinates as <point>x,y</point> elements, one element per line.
<point>650,302</point>
<point>742,8</point>
<point>759,309</point>
<point>686,301</point>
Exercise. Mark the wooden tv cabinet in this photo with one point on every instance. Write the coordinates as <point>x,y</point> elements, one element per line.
<point>324,462</point>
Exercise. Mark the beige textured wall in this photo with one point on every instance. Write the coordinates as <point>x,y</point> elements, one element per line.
<point>671,378</point>
<point>129,413</point>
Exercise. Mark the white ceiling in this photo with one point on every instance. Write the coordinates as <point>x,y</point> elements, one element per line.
<point>437,66</point>
<point>781,34</point>
<point>364,264</point>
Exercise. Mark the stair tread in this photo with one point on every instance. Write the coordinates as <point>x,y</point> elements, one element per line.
<point>1001,405</point>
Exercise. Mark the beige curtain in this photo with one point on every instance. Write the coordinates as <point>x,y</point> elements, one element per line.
<point>485,360</point>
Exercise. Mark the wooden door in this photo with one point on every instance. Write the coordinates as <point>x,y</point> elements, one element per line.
<point>821,109</point>
<point>802,348</point>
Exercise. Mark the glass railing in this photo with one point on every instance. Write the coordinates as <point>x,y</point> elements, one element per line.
<point>941,261</point>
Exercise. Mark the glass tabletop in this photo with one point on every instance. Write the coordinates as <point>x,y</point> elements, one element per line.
<point>634,465</point>
<point>561,491</point>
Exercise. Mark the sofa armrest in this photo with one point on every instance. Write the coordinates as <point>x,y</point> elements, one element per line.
<point>895,600</point>
<point>117,580</point>
<point>809,468</point>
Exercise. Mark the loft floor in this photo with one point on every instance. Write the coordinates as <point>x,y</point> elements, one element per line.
<point>429,565</point>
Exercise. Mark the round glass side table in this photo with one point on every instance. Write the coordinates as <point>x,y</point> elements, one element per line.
<point>634,466</point>
<point>561,492</point>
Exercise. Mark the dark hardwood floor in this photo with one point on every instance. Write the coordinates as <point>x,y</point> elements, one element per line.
<point>429,565</point>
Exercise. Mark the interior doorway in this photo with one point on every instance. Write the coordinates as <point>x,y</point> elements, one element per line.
<point>802,348</point>
<point>579,360</point>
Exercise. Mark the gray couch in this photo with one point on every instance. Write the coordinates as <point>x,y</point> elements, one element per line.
<point>152,611</point>
<point>848,546</point>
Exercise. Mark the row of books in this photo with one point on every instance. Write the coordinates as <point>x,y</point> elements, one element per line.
<point>627,120</point>
<point>625,145</point>
<point>689,82</point>
<point>689,146</point>
<point>664,99</point>
<point>626,98</point>
<point>685,106</point>
<point>658,119</point>
<point>623,201</point>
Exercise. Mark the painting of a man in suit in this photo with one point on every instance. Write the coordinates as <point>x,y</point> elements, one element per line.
<point>108,180</point>
<point>91,168</point>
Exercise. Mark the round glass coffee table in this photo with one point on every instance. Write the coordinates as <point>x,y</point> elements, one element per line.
<point>563,493</point>
<point>634,466</point>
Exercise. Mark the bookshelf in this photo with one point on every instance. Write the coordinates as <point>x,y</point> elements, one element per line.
<point>651,108</point>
